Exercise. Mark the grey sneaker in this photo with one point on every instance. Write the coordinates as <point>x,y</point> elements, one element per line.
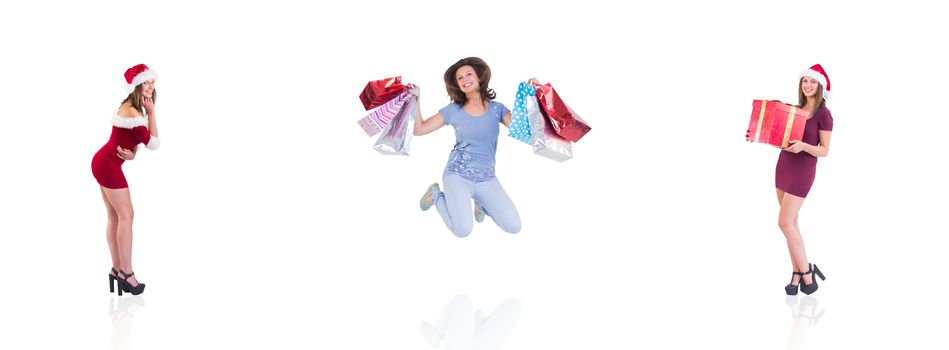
<point>479,212</point>
<point>430,193</point>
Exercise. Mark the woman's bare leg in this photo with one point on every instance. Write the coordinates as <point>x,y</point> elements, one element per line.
<point>121,201</point>
<point>787,221</point>
<point>110,234</point>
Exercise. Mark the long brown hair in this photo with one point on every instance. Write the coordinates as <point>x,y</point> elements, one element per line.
<point>484,77</point>
<point>802,100</point>
<point>136,98</point>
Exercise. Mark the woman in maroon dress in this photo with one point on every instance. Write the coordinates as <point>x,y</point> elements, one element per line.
<point>132,124</point>
<point>795,171</point>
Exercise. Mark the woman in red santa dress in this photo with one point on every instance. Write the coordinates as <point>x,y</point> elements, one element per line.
<point>795,172</point>
<point>132,124</point>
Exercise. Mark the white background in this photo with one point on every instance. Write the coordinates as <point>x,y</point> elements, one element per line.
<point>267,220</point>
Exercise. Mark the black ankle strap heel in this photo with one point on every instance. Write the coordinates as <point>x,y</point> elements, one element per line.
<point>124,281</point>
<point>811,288</point>
<point>791,289</point>
<point>114,280</point>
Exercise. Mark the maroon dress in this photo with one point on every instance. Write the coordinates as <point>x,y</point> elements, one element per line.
<point>795,171</point>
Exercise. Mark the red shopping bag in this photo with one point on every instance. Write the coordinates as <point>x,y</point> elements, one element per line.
<point>564,120</point>
<point>380,91</point>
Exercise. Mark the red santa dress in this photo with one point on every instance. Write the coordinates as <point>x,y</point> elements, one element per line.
<point>127,132</point>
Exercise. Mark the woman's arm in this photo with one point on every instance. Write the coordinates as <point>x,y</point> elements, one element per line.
<point>150,109</point>
<point>819,150</point>
<point>147,134</point>
<point>425,126</point>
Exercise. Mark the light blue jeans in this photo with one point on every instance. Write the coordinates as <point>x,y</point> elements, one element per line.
<point>454,204</point>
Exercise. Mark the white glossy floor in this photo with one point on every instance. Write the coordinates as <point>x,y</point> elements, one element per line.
<point>267,221</point>
<point>239,283</point>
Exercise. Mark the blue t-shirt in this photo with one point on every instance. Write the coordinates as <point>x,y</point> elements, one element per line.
<point>476,140</point>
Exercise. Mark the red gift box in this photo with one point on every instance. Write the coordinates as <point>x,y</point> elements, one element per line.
<point>380,91</point>
<point>776,123</point>
<point>564,120</point>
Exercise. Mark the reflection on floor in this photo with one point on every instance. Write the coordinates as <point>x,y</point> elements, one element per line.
<point>461,327</point>
<point>804,315</point>
<point>122,311</point>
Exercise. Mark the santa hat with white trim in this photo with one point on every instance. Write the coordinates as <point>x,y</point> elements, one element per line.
<point>817,72</point>
<point>137,75</point>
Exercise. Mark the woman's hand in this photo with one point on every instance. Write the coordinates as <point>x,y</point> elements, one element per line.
<point>796,146</point>
<point>533,81</point>
<point>414,89</point>
<point>149,106</point>
<point>124,153</point>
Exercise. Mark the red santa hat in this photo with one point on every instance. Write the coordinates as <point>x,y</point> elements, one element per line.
<point>137,75</point>
<point>817,72</point>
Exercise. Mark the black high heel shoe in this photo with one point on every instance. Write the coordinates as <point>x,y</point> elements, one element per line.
<point>113,280</point>
<point>791,289</point>
<point>124,282</point>
<point>811,288</point>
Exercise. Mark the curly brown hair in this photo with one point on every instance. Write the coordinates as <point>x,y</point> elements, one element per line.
<point>484,77</point>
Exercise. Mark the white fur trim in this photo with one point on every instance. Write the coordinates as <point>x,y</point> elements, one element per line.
<point>140,78</point>
<point>816,75</point>
<point>128,123</point>
<point>153,143</point>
